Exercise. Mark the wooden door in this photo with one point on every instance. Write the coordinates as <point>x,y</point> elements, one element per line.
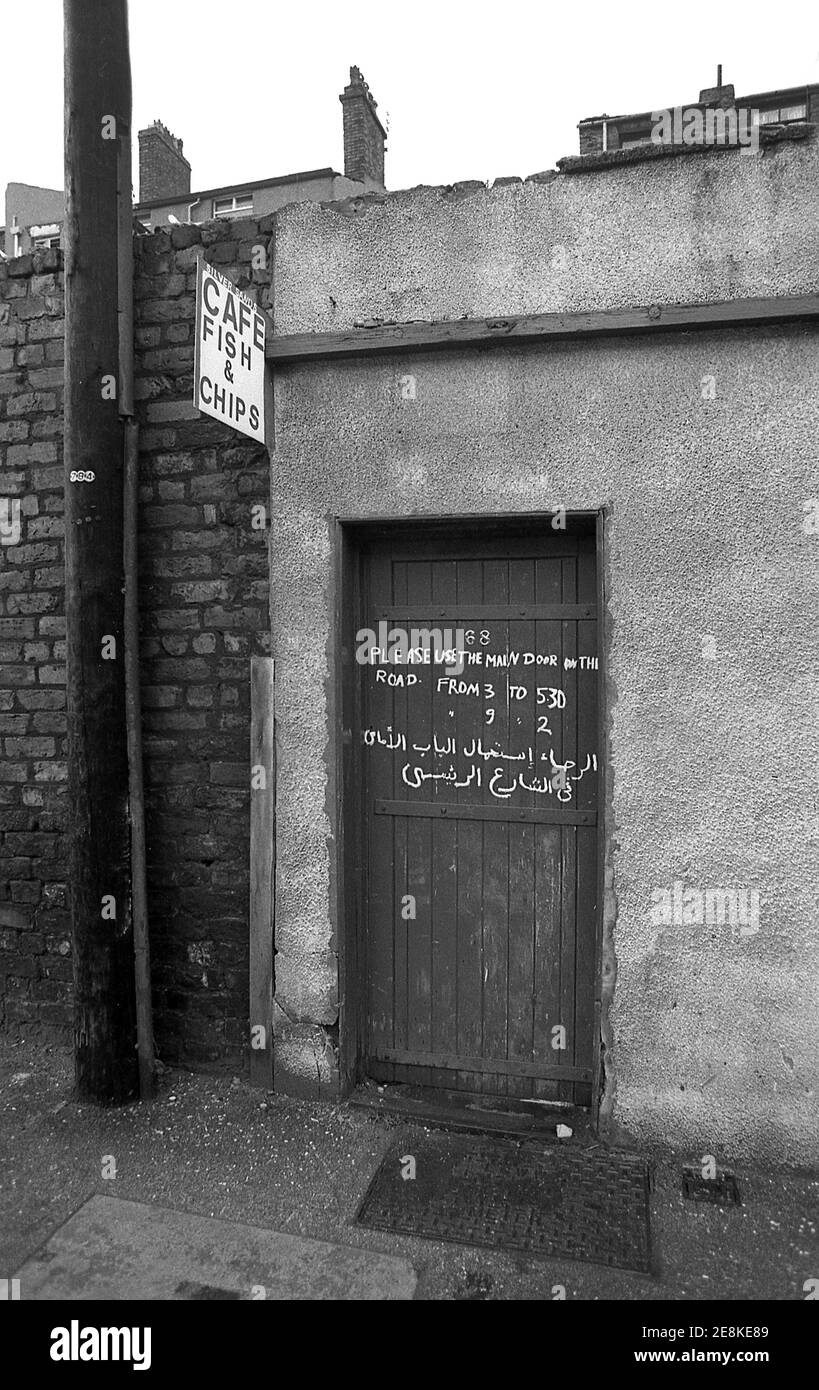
<point>480,798</point>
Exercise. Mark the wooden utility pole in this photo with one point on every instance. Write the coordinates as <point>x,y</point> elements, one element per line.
<point>97,119</point>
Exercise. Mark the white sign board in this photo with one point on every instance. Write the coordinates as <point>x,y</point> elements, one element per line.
<point>228,374</point>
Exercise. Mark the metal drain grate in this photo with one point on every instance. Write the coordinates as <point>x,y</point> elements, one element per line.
<point>550,1202</point>
<point>722,1191</point>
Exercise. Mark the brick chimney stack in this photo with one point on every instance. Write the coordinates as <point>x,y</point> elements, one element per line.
<point>364,135</point>
<point>164,171</point>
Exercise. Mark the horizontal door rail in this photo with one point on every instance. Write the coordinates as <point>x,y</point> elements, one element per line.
<point>488,612</point>
<point>453,810</point>
<point>542,545</point>
<point>450,1061</point>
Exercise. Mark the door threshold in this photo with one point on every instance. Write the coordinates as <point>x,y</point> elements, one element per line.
<point>470,1112</point>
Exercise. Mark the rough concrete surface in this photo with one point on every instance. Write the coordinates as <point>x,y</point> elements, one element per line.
<point>114,1249</point>
<point>219,1150</point>
<point>708,227</point>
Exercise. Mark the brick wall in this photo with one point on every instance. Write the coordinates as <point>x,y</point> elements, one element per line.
<point>204,605</point>
<point>204,612</point>
<point>35,965</point>
<point>163,169</point>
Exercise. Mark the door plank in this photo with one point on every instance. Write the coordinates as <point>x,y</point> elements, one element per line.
<point>470,934</point>
<point>482,1065</point>
<point>548,862</point>
<point>444,839</point>
<point>495,995</point>
<point>377,710</point>
<point>476,614</point>
<point>546,984</point>
<point>469,586</point>
<point>419,850</point>
<point>586,1019</point>
<point>568,905</point>
<point>395,586</point>
<point>470,811</point>
<point>522,637</point>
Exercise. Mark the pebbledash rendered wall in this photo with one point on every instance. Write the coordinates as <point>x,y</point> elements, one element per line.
<point>702,449</point>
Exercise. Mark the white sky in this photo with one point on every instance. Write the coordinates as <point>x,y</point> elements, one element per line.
<point>472,90</point>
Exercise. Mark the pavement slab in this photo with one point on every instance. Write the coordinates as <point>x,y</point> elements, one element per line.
<point>113,1249</point>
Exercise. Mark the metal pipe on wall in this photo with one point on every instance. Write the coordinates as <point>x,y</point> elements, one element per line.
<point>133,704</point>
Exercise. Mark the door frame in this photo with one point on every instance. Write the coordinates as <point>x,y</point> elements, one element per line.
<point>347,813</point>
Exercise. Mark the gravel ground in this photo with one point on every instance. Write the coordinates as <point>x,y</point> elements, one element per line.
<point>212,1145</point>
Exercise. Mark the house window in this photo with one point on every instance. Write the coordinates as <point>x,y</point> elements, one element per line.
<point>44,237</point>
<point>777,115</point>
<point>233,207</point>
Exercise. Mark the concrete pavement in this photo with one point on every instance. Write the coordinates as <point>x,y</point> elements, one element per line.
<point>216,1149</point>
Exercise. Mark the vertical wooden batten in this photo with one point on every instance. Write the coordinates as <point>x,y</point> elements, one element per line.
<point>136,786</point>
<point>262,866</point>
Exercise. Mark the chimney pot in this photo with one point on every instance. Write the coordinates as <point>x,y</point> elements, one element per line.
<point>721,95</point>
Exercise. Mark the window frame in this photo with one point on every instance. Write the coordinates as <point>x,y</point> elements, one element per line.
<point>239,203</point>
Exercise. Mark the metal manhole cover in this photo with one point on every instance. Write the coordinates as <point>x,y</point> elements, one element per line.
<point>546,1201</point>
